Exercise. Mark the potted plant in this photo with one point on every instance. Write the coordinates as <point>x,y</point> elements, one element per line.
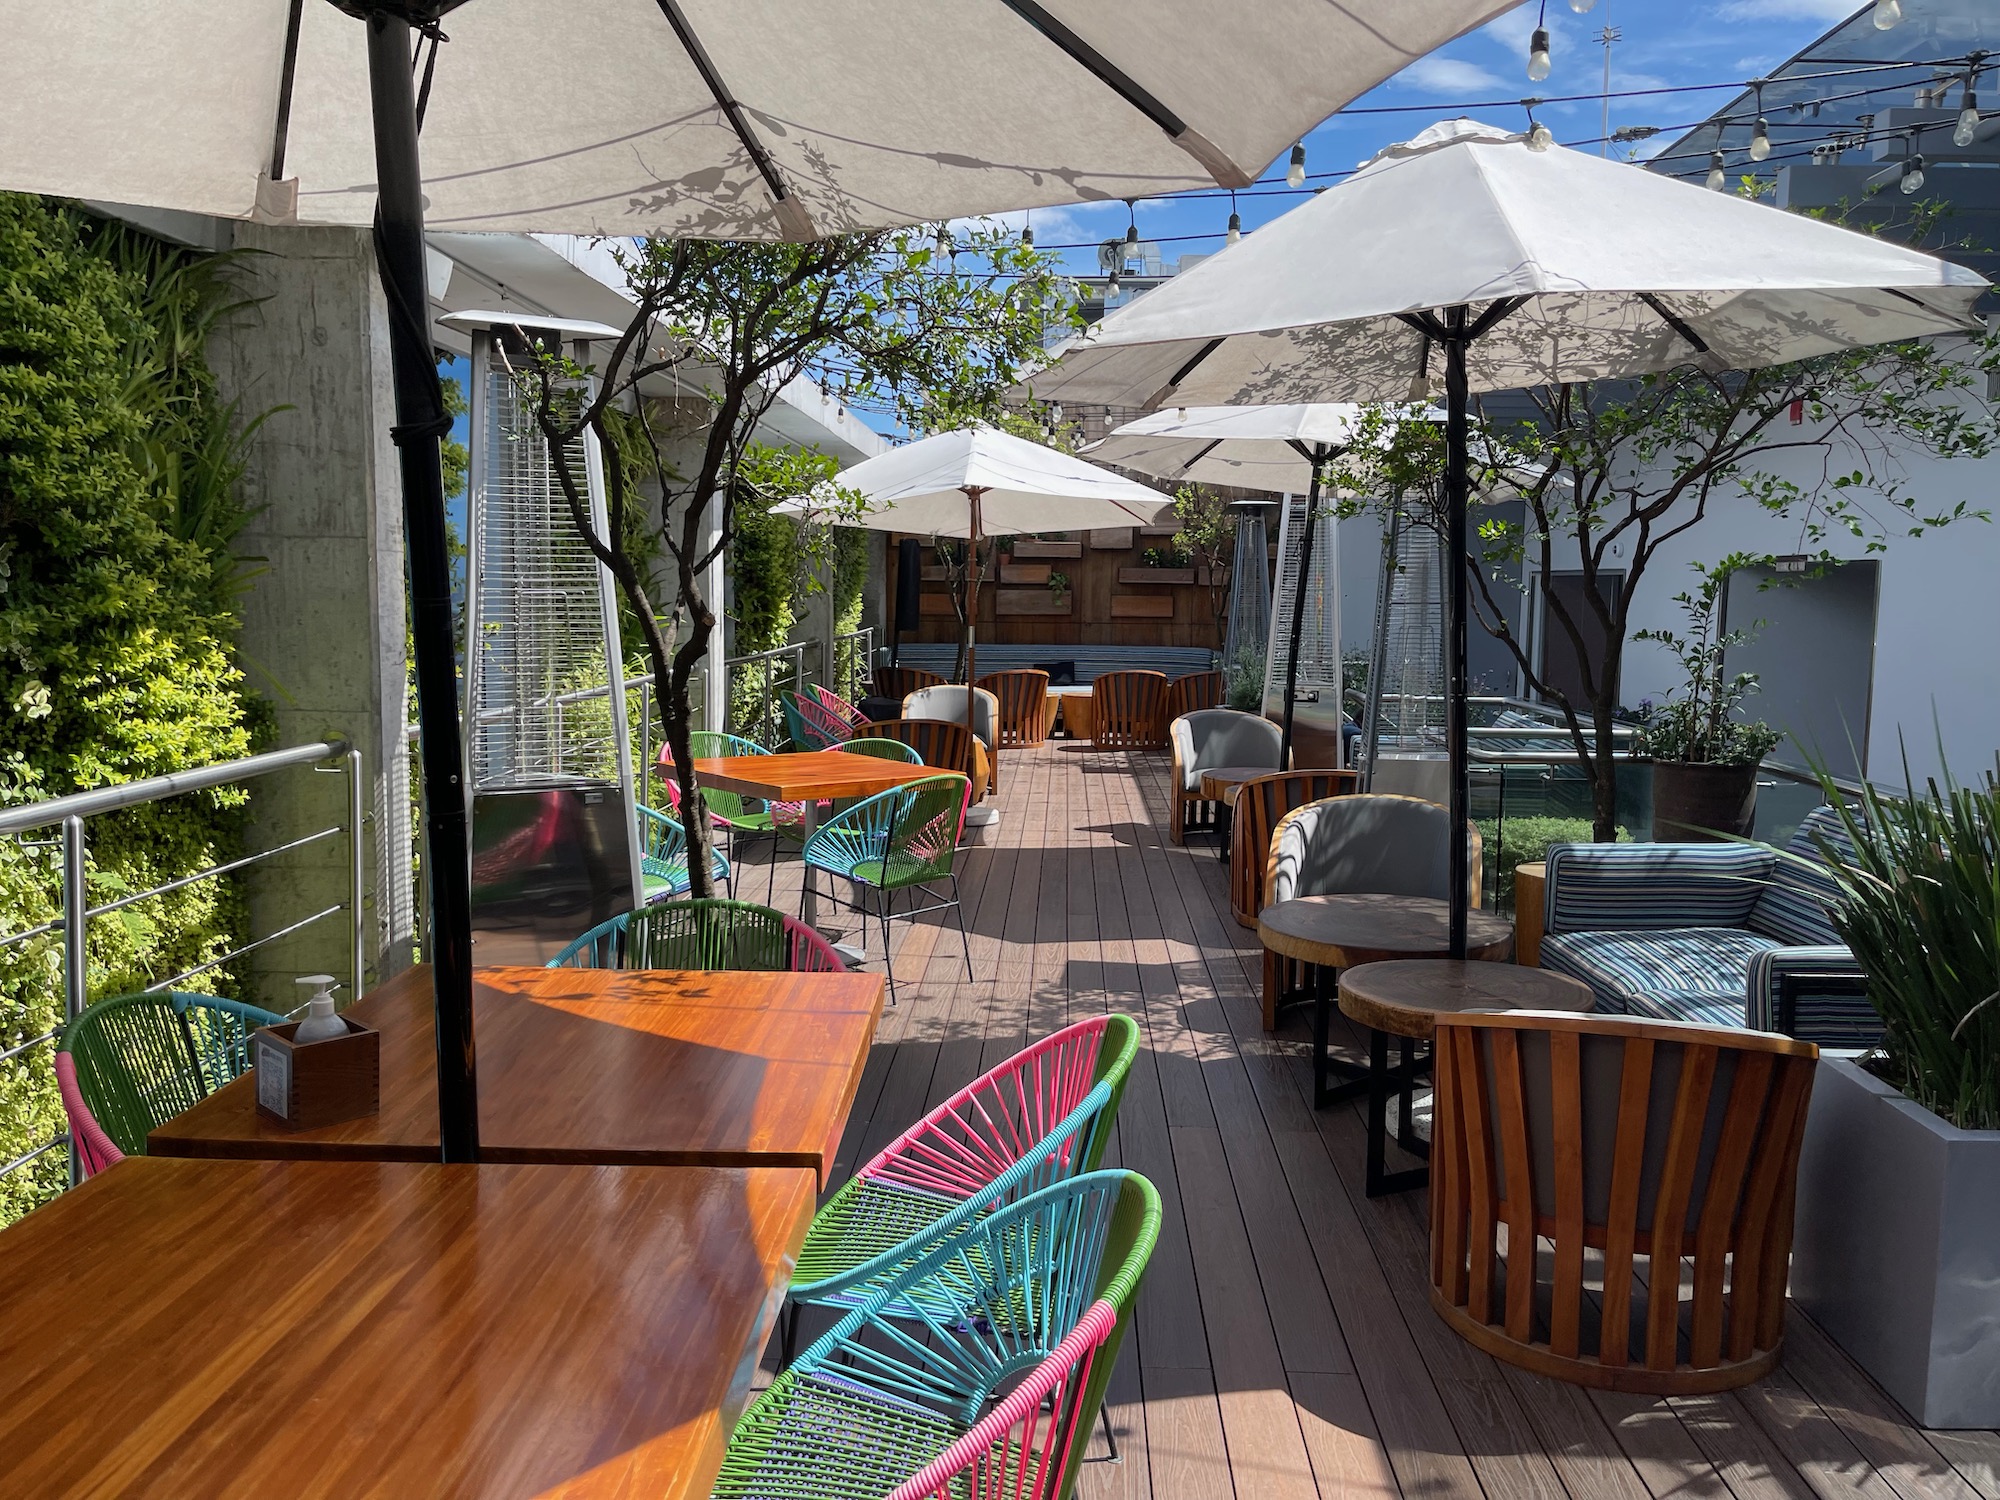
<point>1897,1251</point>
<point>1058,583</point>
<point>1704,757</point>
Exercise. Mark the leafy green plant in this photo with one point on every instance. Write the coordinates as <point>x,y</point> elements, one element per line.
<point>1163,557</point>
<point>1058,582</point>
<point>1523,841</point>
<point>1921,912</point>
<point>1244,680</point>
<point>1701,726</point>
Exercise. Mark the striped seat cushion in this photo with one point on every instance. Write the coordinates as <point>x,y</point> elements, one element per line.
<point>1695,974</point>
<point>1798,897</point>
<point>1605,887</point>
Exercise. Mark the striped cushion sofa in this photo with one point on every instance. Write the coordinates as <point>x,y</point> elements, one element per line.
<point>1706,932</point>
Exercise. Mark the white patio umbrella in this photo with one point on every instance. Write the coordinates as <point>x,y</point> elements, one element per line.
<point>755,119</point>
<point>1522,267</point>
<point>979,482</point>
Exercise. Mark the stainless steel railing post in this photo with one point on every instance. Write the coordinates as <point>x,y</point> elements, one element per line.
<point>357,871</point>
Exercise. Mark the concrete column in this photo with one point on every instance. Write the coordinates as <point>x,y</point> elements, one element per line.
<point>324,629</point>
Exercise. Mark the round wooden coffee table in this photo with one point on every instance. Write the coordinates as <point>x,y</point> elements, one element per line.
<point>1403,999</point>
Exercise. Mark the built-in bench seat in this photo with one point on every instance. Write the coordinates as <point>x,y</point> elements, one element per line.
<point>1091,662</point>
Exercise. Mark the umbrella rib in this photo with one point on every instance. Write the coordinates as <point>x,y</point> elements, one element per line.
<point>1675,321</point>
<point>791,217</point>
<point>1213,160</point>
<point>1201,453</point>
<point>282,127</point>
<point>1184,371</point>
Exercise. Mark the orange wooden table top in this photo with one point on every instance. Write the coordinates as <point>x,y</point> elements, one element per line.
<point>221,1329</point>
<point>633,1067</point>
<point>803,775</point>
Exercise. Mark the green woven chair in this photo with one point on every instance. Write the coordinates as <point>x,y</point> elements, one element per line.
<point>743,817</point>
<point>883,749</point>
<point>142,1059</point>
<point>1044,1114</point>
<point>996,1390</point>
<point>904,839</point>
<point>701,935</point>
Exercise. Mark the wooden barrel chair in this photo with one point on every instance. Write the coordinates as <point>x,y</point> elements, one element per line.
<point>1127,711</point>
<point>900,682</point>
<point>1196,690</point>
<point>1647,1140</point>
<point>1024,705</point>
<point>1260,804</point>
<point>939,742</point>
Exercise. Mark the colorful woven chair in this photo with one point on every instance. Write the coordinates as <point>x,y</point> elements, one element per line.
<point>899,840</point>
<point>994,1394</point>
<point>1127,711</point>
<point>883,748</point>
<point>834,703</point>
<point>94,1149</point>
<point>938,743</point>
<point>743,817</point>
<point>1024,705</point>
<point>811,724</point>
<point>140,1060</point>
<point>663,856</point>
<point>1044,1114</point>
<point>900,682</point>
<point>702,935</point>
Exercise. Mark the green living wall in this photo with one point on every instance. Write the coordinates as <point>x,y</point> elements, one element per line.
<point>119,585</point>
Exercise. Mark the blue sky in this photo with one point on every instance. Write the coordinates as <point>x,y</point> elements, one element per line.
<point>1666,42</point>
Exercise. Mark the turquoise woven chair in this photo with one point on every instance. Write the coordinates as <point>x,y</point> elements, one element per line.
<point>1044,1114</point>
<point>883,749</point>
<point>743,817</point>
<point>142,1059</point>
<point>905,839</point>
<point>663,856</point>
<point>811,724</point>
<point>997,1387</point>
<point>702,935</point>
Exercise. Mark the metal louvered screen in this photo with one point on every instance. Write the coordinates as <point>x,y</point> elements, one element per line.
<point>538,608</point>
<point>1318,702</point>
<point>1249,591</point>
<point>1406,681</point>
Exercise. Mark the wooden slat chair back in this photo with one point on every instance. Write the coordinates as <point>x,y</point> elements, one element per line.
<point>1638,1140</point>
<point>1194,691</point>
<point>900,682</point>
<point>1024,705</point>
<point>1127,711</point>
<point>1260,804</point>
<point>939,742</point>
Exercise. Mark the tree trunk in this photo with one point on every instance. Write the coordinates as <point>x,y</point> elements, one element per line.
<point>672,672</point>
<point>1603,769</point>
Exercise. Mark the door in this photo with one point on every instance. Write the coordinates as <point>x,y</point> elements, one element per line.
<point>1812,646</point>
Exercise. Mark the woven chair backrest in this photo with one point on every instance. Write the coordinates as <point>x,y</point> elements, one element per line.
<point>1128,710</point>
<point>142,1059</point>
<point>811,724</point>
<point>883,748</point>
<point>936,741</point>
<point>900,682</point>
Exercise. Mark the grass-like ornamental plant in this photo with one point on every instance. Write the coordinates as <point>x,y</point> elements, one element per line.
<point>1922,915</point>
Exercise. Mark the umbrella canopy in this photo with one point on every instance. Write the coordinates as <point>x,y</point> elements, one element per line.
<point>723,119</point>
<point>1509,266</point>
<point>926,487</point>
<point>1623,271</point>
<point>1250,447</point>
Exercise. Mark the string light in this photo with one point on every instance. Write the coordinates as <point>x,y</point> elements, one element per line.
<point>1538,55</point>
<point>1913,175</point>
<point>1760,133</point>
<point>1234,236</point>
<point>1582,7</point>
<point>1718,179</point>
<point>1028,232</point>
<point>1540,137</point>
<point>942,248</point>
<point>1968,107</point>
<point>1131,227</point>
<point>1888,14</point>
<point>1295,174</point>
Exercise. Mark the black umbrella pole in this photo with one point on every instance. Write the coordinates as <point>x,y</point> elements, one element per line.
<point>1457,493</point>
<point>1299,615</point>
<point>420,427</point>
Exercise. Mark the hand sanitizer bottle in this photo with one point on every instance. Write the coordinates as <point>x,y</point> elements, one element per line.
<point>320,1022</point>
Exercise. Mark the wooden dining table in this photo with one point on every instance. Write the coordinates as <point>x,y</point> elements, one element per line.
<point>636,1067</point>
<point>807,777</point>
<point>209,1330</point>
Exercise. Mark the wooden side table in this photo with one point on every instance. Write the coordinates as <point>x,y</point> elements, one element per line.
<point>1531,884</point>
<point>1404,999</point>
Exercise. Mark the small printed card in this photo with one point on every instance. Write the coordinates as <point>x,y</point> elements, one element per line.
<point>274,1079</point>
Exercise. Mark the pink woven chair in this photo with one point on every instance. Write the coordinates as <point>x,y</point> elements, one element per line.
<point>94,1149</point>
<point>1022,1449</point>
<point>839,705</point>
<point>811,724</point>
<point>812,953</point>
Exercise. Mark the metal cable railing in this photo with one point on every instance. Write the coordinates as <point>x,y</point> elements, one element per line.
<point>849,671</point>
<point>71,815</point>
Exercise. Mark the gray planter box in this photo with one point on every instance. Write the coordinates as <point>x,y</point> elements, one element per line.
<point>1897,1249</point>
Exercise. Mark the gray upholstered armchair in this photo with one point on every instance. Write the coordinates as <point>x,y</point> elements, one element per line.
<point>1212,737</point>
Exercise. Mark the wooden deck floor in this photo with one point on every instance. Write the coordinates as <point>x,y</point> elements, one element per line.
<point>1284,1346</point>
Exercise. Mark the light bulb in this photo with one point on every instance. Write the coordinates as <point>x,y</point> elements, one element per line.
<point>1540,137</point>
<point>1760,139</point>
<point>943,247</point>
<point>1235,235</point>
<point>1027,236</point>
<point>1132,235</point>
<point>1582,7</point>
<point>1717,178</point>
<point>1968,121</point>
<point>1888,13</point>
<point>1913,175</point>
<point>1111,290</point>
<point>1538,55</point>
<point>1295,174</point>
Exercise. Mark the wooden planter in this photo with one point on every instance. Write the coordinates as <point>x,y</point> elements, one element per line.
<point>934,574</point>
<point>1025,573</point>
<point>1141,607</point>
<point>1112,539</point>
<point>1159,530</point>
<point>936,606</point>
<point>1031,602</point>
<point>1027,548</point>
<point>1156,575</point>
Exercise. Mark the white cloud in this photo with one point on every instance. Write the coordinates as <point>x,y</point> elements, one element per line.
<point>1447,76</point>
<point>1826,11</point>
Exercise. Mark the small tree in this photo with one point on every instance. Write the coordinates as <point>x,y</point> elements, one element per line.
<point>1207,535</point>
<point>1609,473</point>
<point>883,318</point>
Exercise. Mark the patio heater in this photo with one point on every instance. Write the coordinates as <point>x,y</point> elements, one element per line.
<point>1249,584</point>
<point>1317,713</point>
<point>555,842</point>
<point>1403,745</point>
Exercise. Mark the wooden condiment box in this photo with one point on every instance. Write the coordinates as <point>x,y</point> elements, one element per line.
<point>303,1085</point>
